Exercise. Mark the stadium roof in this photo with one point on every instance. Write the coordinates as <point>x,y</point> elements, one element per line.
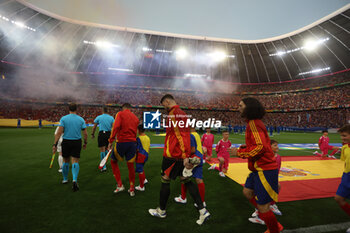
<point>226,20</point>
<point>30,38</point>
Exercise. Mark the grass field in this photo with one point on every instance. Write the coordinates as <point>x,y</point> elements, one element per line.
<point>32,199</point>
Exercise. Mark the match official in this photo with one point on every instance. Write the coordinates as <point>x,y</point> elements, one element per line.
<point>71,126</point>
<point>105,123</point>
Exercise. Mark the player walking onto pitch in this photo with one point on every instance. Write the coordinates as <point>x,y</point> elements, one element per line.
<point>223,155</point>
<point>323,144</point>
<point>105,123</point>
<point>125,129</point>
<point>59,150</point>
<point>143,145</point>
<point>255,216</point>
<point>197,172</point>
<point>261,186</point>
<point>177,149</point>
<point>207,142</point>
<point>71,126</point>
<point>343,191</point>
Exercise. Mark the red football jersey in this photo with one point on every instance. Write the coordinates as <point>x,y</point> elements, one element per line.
<point>124,127</point>
<point>258,148</point>
<point>177,139</point>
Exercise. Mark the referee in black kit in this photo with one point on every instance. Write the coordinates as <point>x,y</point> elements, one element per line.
<point>105,123</point>
<point>71,126</point>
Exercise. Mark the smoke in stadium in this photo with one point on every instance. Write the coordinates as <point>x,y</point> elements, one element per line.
<point>115,115</point>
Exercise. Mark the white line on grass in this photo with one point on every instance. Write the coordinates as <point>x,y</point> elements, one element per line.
<point>321,228</point>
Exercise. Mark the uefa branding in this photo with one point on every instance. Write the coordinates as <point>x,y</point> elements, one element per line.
<point>152,120</point>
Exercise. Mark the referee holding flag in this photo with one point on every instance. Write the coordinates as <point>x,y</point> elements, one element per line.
<point>105,123</point>
<point>71,126</point>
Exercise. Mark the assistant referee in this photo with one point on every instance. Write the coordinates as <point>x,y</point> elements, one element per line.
<point>71,126</point>
<point>105,123</point>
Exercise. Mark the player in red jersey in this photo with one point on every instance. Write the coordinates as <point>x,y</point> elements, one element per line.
<point>125,129</point>
<point>255,216</point>
<point>207,143</point>
<point>323,144</point>
<point>177,149</point>
<point>223,155</point>
<point>261,186</point>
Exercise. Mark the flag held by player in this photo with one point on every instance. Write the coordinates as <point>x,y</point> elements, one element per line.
<point>104,160</point>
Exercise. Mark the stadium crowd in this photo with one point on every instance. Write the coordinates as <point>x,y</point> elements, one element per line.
<point>328,107</point>
<point>316,99</point>
<point>207,85</point>
<point>322,118</point>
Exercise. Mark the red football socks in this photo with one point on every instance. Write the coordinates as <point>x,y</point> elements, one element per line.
<point>142,178</point>
<point>270,221</point>
<point>346,208</point>
<point>253,201</point>
<point>131,175</point>
<point>333,152</point>
<point>183,191</point>
<point>201,189</point>
<point>116,172</point>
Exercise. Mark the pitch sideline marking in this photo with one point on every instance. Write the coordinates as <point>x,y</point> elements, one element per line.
<point>320,228</point>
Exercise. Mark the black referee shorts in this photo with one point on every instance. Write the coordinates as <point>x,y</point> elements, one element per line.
<point>71,148</point>
<point>172,167</point>
<point>103,137</point>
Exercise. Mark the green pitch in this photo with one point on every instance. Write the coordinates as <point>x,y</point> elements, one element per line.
<point>32,199</point>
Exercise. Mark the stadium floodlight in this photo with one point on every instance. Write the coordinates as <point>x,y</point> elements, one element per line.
<point>120,69</point>
<point>105,44</point>
<point>181,53</point>
<point>281,53</point>
<point>315,71</point>
<point>309,45</point>
<point>17,23</point>
<point>217,56</point>
<point>312,44</point>
<point>101,44</point>
<point>163,51</point>
<point>145,49</point>
<point>189,75</point>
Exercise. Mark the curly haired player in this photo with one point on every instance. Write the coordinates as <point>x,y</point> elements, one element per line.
<point>261,186</point>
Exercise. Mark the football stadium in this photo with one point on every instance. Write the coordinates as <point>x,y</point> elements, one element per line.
<point>174,116</point>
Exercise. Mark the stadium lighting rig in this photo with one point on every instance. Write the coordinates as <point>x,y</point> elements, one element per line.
<point>181,53</point>
<point>120,69</point>
<point>145,49</point>
<point>189,75</point>
<point>17,23</point>
<point>217,56</point>
<point>315,71</point>
<point>102,44</point>
<point>312,44</point>
<point>309,46</point>
<point>163,51</point>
